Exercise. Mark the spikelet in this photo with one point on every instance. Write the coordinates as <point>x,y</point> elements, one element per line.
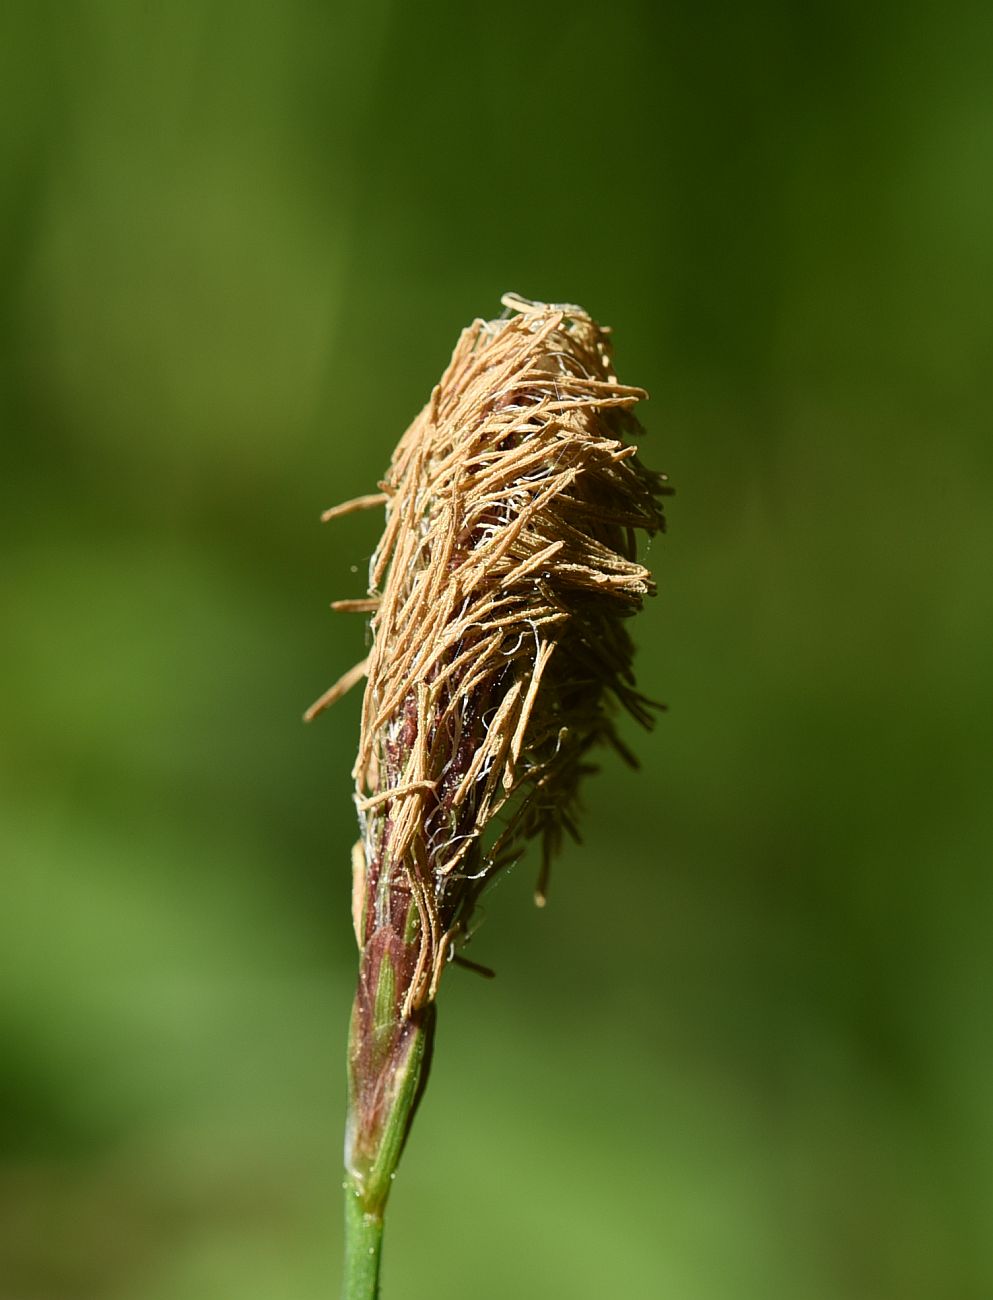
<point>499,595</point>
<point>499,589</point>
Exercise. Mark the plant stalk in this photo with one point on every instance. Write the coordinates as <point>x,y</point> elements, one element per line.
<point>363,1248</point>
<point>389,1055</point>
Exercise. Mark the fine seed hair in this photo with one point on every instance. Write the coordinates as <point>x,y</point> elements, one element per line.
<point>498,595</point>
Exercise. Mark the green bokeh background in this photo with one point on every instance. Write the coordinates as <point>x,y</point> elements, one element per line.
<point>747,1050</point>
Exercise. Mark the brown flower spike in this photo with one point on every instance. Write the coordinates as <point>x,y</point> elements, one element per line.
<point>499,594</point>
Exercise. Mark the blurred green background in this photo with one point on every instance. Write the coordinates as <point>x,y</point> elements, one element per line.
<point>747,1050</point>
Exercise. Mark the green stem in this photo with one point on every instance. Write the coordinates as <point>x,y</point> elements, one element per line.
<point>363,1248</point>
<point>389,1060</point>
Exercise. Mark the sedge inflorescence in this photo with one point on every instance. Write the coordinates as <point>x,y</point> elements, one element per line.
<point>498,595</point>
